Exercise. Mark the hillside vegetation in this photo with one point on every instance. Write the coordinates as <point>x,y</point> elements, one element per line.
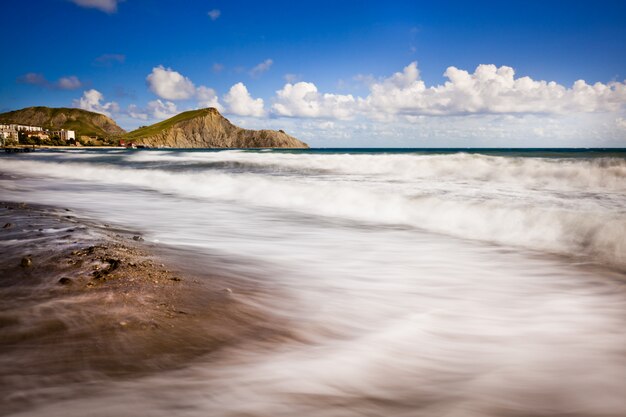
<point>207,128</point>
<point>82,121</point>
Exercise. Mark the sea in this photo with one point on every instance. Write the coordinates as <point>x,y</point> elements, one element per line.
<point>418,282</point>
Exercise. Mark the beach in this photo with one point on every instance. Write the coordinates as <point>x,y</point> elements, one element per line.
<point>315,282</point>
<point>86,303</point>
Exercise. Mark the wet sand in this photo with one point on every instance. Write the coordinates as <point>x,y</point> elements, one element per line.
<point>82,303</point>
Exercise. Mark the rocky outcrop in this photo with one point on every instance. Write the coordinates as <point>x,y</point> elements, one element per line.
<point>207,128</point>
<point>82,121</point>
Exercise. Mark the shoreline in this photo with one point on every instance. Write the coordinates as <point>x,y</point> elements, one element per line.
<point>84,303</point>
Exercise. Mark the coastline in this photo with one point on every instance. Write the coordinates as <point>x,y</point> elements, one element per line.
<point>84,302</point>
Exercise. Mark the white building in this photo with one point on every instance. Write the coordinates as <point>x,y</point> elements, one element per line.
<point>26,128</point>
<point>65,134</point>
<point>7,134</point>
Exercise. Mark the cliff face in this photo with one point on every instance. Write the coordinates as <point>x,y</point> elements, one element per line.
<point>82,121</point>
<point>207,128</point>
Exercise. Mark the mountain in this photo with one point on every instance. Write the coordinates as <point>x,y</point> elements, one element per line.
<point>207,128</point>
<point>82,121</point>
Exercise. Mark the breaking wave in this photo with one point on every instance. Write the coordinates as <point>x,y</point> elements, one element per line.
<point>574,207</point>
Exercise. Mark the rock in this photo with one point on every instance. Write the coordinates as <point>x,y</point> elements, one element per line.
<point>138,238</point>
<point>66,281</point>
<point>7,225</point>
<point>113,265</point>
<point>207,128</point>
<point>175,279</point>
<point>26,262</point>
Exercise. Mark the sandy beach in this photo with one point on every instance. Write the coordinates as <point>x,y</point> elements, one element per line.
<point>85,303</point>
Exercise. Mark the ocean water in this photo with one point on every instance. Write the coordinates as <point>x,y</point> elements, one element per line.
<point>417,282</point>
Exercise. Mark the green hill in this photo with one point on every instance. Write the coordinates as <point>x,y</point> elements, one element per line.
<point>207,128</point>
<point>155,129</point>
<point>82,121</point>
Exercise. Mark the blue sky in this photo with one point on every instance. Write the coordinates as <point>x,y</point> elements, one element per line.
<point>324,70</point>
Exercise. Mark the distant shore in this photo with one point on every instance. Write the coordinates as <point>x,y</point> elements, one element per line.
<point>63,147</point>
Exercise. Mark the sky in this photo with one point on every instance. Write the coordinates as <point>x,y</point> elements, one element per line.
<point>332,73</point>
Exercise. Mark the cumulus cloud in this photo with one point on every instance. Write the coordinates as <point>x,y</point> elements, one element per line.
<point>488,90</point>
<point>92,100</point>
<point>169,84</point>
<point>162,109</point>
<point>303,100</point>
<point>107,6</point>
<point>154,110</point>
<point>208,98</point>
<point>64,83</point>
<point>136,113</point>
<point>214,14</point>
<point>261,68</point>
<point>238,101</point>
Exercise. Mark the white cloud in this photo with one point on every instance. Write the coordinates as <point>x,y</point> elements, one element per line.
<point>217,67</point>
<point>136,113</point>
<point>303,100</point>
<point>92,101</point>
<point>261,68</point>
<point>169,84</point>
<point>214,14</point>
<point>238,101</point>
<point>208,98</point>
<point>155,110</point>
<point>488,90</point>
<point>107,6</point>
<point>162,109</point>
<point>621,123</point>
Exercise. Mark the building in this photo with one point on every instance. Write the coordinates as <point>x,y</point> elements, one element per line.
<point>8,134</point>
<point>65,135</point>
<point>41,135</point>
<point>25,128</point>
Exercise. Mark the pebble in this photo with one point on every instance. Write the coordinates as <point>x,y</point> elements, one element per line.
<point>26,262</point>
<point>65,281</point>
<point>6,226</point>
<point>137,238</point>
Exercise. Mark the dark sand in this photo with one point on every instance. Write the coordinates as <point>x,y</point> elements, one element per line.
<point>82,303</point>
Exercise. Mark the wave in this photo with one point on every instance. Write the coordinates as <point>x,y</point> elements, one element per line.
<point>581,224</point>
<point>603,174</point>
